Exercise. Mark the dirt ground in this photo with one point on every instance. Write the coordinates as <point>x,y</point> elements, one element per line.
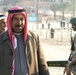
<point>55,49</point>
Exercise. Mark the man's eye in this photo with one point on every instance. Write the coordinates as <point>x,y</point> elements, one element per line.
<point>22,19</point>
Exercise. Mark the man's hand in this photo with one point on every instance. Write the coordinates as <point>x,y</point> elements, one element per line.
<point>73,60</point>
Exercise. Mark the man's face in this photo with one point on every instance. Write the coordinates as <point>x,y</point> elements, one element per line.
<point>2,25</point>
<point>18,22</point>
<point>74,27</point>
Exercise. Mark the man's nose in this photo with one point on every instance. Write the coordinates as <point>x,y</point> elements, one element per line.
<point>19,22</point>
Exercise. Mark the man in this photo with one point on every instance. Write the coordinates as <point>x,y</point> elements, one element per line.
<point>71,67</point>
<point>20,49</point>
<point>2,23</point>
<point>52,31</point>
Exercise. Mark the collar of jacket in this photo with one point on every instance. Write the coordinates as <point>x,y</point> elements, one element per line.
<point>5,35</point>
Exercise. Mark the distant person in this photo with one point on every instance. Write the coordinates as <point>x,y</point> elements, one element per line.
<point>20,49</point>
<point>61,24</point>
<point>42,26</point>
<point>3,26</point>
<point>52,31</point>
<point>71,66</point>
<point>48,24</point>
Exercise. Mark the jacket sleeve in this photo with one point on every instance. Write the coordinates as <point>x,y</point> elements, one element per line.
<point>0,51</point>
<point>42,64</point>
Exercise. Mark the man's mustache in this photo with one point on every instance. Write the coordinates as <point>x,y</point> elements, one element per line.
<point>17,25</point>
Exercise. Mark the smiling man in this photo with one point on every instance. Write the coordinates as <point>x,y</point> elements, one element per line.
<point>18,22</point>
<point>20,49</point>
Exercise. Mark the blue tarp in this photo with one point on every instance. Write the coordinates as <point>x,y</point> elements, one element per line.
<point>32,18</point>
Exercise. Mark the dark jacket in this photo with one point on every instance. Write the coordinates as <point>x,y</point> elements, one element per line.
<point>33,51</point>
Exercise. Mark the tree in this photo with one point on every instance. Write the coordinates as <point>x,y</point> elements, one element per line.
<point>54,7</point>
<point>63,7</point>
